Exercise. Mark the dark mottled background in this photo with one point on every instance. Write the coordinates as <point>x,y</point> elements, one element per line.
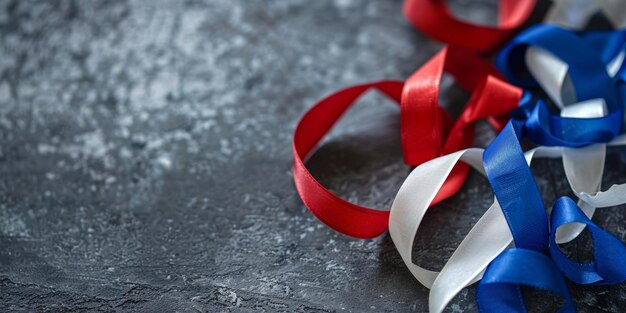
<point>145,159</point>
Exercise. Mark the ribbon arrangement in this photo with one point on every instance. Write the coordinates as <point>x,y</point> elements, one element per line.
<point>515,242</point>
<point>427,131</point>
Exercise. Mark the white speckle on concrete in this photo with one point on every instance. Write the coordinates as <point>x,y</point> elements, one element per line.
<point>165,161</point>
<point>5,93</point>
<point>343,4</point>
<point>225,147</point>
<point>12,225</point>
<point>456,308</point>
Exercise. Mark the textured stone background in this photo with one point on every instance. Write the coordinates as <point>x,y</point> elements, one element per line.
<point>145,159</point>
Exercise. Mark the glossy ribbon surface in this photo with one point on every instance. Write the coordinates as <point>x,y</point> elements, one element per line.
<point>529,232</point>
<point>427,131</point>
<point>491,234</point>
<point>517,193</point>
<point>499,290</point>
<point>576,14</point>
<point>609,252</point>
<point>433,18</point>
<point>582,73</point>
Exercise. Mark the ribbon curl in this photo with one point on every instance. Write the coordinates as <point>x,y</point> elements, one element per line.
<point>500,291</point>
<point>491,234</point>
<point>596,71</point>
<point>576,14</point>
<point>486,240</point>
<point>427,131</point>
<point>594,74</point>
<point>545,53</point>
<point>526,216</point>
<point>433,18</point>
<point>519,197</point>
<point>609,251</point>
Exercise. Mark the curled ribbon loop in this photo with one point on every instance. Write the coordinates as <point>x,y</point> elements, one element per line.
<point>433,18</point>
<point>414,199</point>
<point>542,57</point>
<point>499,290</point>
<point>339,214</point>
<point>549,71</point>
<point>521,203</point>
<point>609,251</point>
<point>427,131</point>
<point>590,71</point>
<point>576,14</point>
<point>599,57</point>
<point>491,234</point>
<point>426,137</point>
<point>424,132</point>
<point>592,74</point>
<point>587,67</point>
<point>517,266</point>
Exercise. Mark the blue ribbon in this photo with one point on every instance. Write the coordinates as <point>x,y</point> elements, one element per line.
<point>514,187</point>
<point>609,265</point>
<point>522,206</point>
<point>513,183</point>
<point>547,129</point>
<point>587,55</point>
<point>499,290</point>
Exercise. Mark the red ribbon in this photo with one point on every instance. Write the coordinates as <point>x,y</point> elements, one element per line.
<point>433,18</point>
<point>427,131</point>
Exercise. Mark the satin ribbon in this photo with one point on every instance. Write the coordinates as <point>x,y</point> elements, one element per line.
<point>594,60</point>
<point>521,202</point>
<point>514,188</point>
<point>499,290</point>
<point>490,236</point>
<point>419,108</point>
<point>525,214</point>
<point>427,131</point>
<point>539,124</point>
<point>576,14</point>
<point>609,252</point>
<point>433,18</point>
<point>549,66</point>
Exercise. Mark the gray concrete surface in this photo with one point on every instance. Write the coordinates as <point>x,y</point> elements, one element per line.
<point>145,159</point>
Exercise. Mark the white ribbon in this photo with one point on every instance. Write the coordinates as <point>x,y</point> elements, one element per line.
<point>491,235</point>
<point>575,14</point>
<point>581,164</point>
